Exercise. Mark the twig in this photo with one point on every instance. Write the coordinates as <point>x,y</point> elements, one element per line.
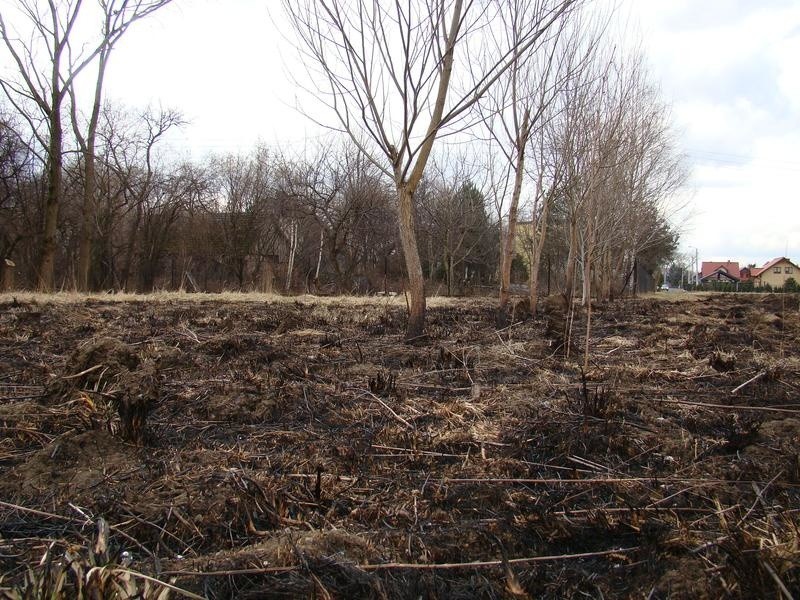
<point>786,593</point>
<point>410,566</point>
<point>41,513</point>
<point>757,376</point>
<point>759,498</point>
<point>48,515</point>
<point>190,334</point>
<point>728,406</point>
<point>389,408</point>
<point>84,372</point>
<point>596,480</point>
<point>511,352</point>
<point>496,563</point>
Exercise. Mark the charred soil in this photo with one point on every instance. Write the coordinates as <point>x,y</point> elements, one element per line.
<point>294,449</point>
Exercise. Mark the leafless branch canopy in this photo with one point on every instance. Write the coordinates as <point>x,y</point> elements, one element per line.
<point>380,66</point>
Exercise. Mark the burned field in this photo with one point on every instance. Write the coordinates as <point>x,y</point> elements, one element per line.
<point>294,449</point>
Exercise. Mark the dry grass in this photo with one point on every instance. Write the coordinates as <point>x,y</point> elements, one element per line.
<point>301,449</point>
<point>232,297</point>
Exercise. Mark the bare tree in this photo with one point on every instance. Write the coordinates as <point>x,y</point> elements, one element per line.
<point>117,17</point>
<point>17,178</point>
<point>38,91</point>
<point>247,188</point>
<point>515,109</point>
<point>131,154</point>
<point>548,173</point>
<point>645,186</point>
<point>528,119</point>
<point>397,75</point>
<point>346,197</point>
<point>52,25</point>
<point>453,216</point>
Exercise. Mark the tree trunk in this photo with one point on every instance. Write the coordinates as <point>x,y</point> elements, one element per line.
<point>549,269</point>
<point>131,247</point>
<point>416,280</point>
<point>536,255</point>
<point>319,258</point>
<point>54,178</point>
<point>292,250</point>
<point>586,281</point>
<point>87,218</point>
<point>7,270</point>
<point>608,276</point>
<point>267,276</point>
<point>536,260</point>
<point>89,178</point>
<point>570,271</point>
<point>450,275</point>
<point>588,256</point>
<point>508,241</point>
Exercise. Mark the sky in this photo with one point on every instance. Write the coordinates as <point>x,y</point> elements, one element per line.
<point>727,68</point>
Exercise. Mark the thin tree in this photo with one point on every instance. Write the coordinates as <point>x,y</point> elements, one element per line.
<point>398,74</point>
<point>52,26</point>
<point>514,111</point>
<point>117,17</point>
<point>548,173</point>
<point>39,91</point>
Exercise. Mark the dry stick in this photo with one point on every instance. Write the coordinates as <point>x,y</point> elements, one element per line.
<point>412,566</point>
<point>628,510</point>
<point>41,513</point>
<point>511,352</point>
<point>497,563</point>
<point>759,498</point>
<point>588,331</point>
<point>84,372</point>
<point>159,528</point>
<point>758,376</point>
<point>554,481</point>
<point>389,408</point>
<point>596,480</point>
<point>412,451</point>
<point>728,406</point>
<point>787,594</point>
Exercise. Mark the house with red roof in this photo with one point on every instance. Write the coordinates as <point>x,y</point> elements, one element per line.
<point>775,273</point>
<point>727,272</point>
<point>744,273</point>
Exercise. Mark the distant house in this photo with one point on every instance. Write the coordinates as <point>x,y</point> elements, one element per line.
<point>775,273</point>
<point>745,273</point>
<point>727,272</point>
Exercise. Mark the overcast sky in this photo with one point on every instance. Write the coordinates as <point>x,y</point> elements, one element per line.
<point>727,67</point>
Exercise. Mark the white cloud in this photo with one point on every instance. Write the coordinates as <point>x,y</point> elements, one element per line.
<point>729,68</point>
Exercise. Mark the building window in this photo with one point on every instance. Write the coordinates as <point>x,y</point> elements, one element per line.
<point>787,269</point>
<point>776,270</point>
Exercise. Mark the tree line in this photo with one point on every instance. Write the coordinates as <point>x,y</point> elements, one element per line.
<point>564,185</point>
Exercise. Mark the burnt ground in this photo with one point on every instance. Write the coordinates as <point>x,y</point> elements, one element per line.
<point>300,449</point>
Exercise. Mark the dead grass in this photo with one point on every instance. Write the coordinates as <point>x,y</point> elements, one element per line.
<point>298,448</point>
